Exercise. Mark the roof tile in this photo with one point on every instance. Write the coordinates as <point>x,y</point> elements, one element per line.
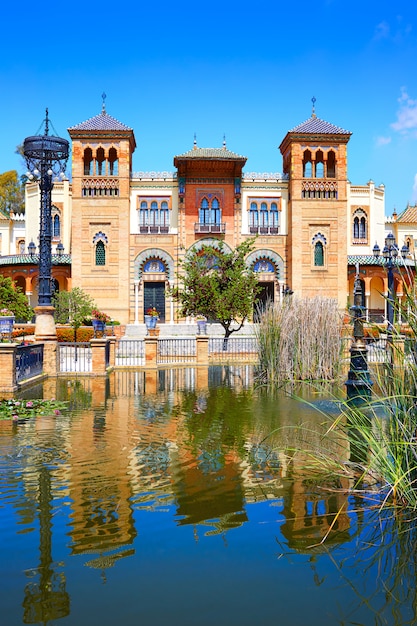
<point>210,153</point>
<point>103,121</point>
<point>314,125</point>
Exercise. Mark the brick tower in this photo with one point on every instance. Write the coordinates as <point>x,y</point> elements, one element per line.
<point>315,161</point>
<point>101,171</point>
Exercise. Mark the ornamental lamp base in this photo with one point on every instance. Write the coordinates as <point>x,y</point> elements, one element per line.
<point>45,328</point>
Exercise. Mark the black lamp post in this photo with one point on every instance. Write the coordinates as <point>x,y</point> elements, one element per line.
<point>46,155</point>
<point>359,383</point>
<point>390,254</point>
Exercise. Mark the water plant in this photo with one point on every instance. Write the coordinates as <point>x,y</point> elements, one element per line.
<point>17,410</point>
<point>299,339</point>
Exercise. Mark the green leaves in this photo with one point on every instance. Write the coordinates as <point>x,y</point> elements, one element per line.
<point>17,410</point>
<point>217,284</point>
<point>13,298</point>
<point>12,197</point>
<point>72,307</point>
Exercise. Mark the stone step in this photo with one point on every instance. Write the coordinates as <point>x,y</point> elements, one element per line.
<point>138,331</point>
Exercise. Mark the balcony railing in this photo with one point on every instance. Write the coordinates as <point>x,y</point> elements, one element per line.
<point>153,230</point>
<point>210,228</point>
<point>264,230</point>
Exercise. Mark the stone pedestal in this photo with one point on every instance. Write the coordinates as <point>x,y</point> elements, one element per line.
<point>99,361</point>
<point>202,350</point>
<point>151,351</point>
<point>8,385</point>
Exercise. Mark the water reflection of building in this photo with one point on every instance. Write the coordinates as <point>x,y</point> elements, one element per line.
<point>209,491</point>
<point>162,439</point>
<point>101,516</point>
<point>311,518</point>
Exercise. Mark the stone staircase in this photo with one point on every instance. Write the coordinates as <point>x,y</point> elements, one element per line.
<point>138,331</point>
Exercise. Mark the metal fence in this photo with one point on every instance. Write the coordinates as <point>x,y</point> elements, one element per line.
<point>74,357</point>
<point>29,362</point>
<point>377,351</point>
<point>177,350</point>
<point>234,347</point>
<point>130,353</point>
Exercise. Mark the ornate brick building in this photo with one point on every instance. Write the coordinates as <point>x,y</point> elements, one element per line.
<point>125,233</point>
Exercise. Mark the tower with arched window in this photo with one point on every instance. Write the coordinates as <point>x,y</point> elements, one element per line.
<point>315,161</point>
<point>101,172</point>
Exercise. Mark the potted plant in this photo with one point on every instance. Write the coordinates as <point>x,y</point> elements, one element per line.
<point>151,317</point>
<point>201,324</point>
<point>99,321</point>
<point>6,321</point>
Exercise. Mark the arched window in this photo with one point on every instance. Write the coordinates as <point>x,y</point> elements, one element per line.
<point>318,254</point>
<point>100,241</point>
<point>143,213</point>
<point>204,212</point>
<point>100,253</point>
<point>273,216</point>
<point>264,215</point>
<point>113,162</point>
<point>153,214</point>
<point>215,212</point>
<point>331,164</point>
<point>56,226</point>
<point>253,215</point>
<point>88,162</point>
<point>100,163</point>
<point>319,247</point>
<point>360,226</point>
<point>319,164</point>
<point>307,165</point>
<point>164,215</point>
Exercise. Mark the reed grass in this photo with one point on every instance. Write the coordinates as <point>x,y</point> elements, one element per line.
<point>299,339</point>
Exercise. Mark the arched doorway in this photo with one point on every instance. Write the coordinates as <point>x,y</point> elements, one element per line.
<point>153,268</point>
<point>269,267</point>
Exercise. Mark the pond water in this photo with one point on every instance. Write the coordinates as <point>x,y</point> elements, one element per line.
<point>165,498</point>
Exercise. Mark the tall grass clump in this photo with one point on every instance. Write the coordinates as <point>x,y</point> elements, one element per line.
<point>300,339</point>
<point>381,429</point>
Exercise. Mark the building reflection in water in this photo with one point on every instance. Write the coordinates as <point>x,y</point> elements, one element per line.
<point>201,440</point>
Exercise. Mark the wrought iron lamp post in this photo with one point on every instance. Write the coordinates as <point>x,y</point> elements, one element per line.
<point>390,255</point>
<point>46,156</point>
<point>359,383</point>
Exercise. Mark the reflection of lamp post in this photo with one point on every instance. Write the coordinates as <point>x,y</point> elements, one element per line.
<point>45,156</point>
<point>46,598</point>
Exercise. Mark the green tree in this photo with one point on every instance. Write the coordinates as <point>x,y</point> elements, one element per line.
<point>72,307</point>
<point>13,298</point>
<point>218,285</point>
<point>12,196</point>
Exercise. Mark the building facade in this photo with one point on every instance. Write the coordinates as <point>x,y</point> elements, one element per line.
<point>126,233</point>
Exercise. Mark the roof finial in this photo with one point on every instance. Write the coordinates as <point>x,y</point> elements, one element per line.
<point>103,106</point>
<point>313,113</point>
<point>46,121</point>
<point>224,141</point>
<point>195,141</point>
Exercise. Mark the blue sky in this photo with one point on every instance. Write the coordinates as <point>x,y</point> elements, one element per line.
<point>244,70</point>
